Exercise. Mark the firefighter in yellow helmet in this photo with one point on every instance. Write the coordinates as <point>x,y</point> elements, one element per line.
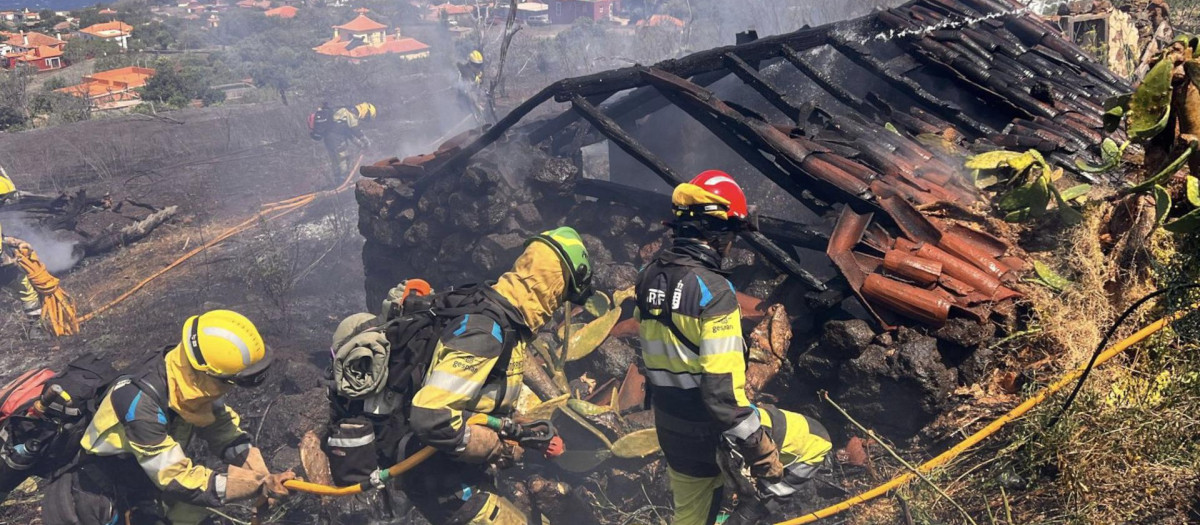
<point>15,281</point>
<point>470,85</point>
<point>477,368</point>
<point>8,190</point>
<point>693,350</point>
<point>338,128</point>
<point>135,468</point>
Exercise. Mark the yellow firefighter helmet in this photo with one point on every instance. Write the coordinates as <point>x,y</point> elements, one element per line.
<point>6,184</point>
<point>476,57</point>
<point>226,345</point>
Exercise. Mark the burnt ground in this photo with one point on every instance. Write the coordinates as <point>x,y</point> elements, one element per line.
<point>295,276</point>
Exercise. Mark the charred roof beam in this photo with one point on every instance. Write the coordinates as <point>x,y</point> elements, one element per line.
<point>753,78</point>
<point>627,143</point>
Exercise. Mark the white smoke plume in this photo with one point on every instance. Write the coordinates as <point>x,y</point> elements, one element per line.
<point>59,254</point>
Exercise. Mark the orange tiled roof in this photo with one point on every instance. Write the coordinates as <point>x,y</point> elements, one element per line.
<point>361,24</point>
<point>660,21</point>
<point>391,44</point>
<point>35,39</point>
<point>38,53</point>
<point>108,29</point>
<point>286,11</point>
<point>110,82</point>
<point>450,9</point>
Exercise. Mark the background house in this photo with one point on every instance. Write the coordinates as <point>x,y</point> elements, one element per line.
<point>115,31</point>
<point>112,88</point>
<point>364,37</point>
<point>567,11</point>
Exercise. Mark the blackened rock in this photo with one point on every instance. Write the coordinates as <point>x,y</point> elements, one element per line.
<point>738,257</point>
<point>898,390</point>
<point>495,252</point>
<point>817,365</point>
<point>597,252</point>
<point>555,172</point>
<point>763,288</point>
<point>977,366</point>
<point>627,252</point>
<point>961,337</point>
<point>612,277</point>
<point>847,339</point>
<point>419,234</point>
<point>612,360</point>
<point>528,217</point>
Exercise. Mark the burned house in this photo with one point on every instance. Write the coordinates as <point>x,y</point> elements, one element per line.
<point>851,137</point>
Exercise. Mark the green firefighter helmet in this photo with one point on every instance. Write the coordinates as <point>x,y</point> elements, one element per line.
<point>577,267</point>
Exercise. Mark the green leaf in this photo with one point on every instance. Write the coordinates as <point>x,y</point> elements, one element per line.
<point>1115,109</point>
<point>1110,155</point>
<point>1049,277</point>
<point>1040,197</point>
<point>1162,204</point>
<point>620,296</point>
<point>1025,160</point>
<point>587,339</point>
<point>587,425</point>
<point>992,160</point>
<point>1150,107</point>
<point>582,461</point>
<point>1068,214</point>
<point>597,304</point>
<point>637,444</point>
<point>1017,216</point>
<point>888,126</point>
<point>1075,192</point>
<point>575,328</point>
<point>1193,190</point>
<point>1186,224</point>
<point>1166,172</point>
<point>587,409</point>
<point>546,409</point>
<point>987,182</point>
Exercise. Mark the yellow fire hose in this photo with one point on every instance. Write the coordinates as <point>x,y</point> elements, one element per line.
<point>383,475</point>
<point>991,428</point>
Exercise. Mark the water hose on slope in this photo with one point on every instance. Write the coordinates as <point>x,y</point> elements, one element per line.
<point>996,425</point>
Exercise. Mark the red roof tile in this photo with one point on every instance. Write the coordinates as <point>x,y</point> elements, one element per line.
<point>361,24</point>
<point>391,44</point>
<point>108,29</point>
<point>286,11</point>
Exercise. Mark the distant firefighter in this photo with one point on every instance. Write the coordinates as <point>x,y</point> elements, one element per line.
<point>470,86</point>
<point>337,128</point>
<point>24,276</point>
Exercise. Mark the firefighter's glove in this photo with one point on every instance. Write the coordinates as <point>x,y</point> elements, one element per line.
<point>485,446</point>
<point>242,484</point>
<point>762,457</point>
<point>273,486</point>
<point>254,461</point>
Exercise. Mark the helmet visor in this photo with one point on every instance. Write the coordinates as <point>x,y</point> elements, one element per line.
<point>252,376</point>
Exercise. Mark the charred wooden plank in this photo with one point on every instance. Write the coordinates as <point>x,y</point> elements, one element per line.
<point>823,81</point>
<point>764,87</point>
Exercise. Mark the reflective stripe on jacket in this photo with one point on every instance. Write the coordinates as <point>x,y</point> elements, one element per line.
<point>803,443</point>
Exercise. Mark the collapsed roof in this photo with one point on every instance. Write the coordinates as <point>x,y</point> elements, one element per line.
<point>858,122</point>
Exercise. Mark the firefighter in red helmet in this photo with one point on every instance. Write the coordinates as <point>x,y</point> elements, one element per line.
<point>693,350</point>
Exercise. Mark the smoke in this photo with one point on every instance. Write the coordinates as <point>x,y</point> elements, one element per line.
<point>58,254</point>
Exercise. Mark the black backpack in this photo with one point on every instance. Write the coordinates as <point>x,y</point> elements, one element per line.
<point>359,442</point>
<point>43,437</point>
<point>318,124</point>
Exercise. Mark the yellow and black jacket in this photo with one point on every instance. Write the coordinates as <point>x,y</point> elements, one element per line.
<point>692,344</point>
<point>803,445</point>
<point>479,362</point>
<point>140,418</point>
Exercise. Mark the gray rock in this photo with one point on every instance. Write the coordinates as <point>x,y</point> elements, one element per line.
<point>612,277</point>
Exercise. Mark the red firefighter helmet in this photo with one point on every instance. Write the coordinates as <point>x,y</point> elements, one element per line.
<point>722,185</point>
<point>312,117</point>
